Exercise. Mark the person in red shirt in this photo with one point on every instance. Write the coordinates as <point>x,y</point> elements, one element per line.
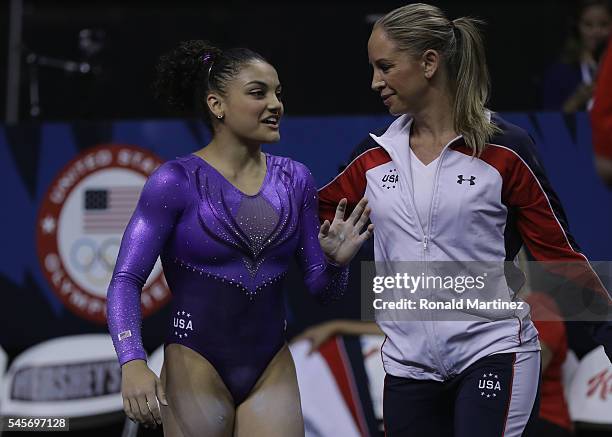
<point>601,120</point>
<point>554,419</point>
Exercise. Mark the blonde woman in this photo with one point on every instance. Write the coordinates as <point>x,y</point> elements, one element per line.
<point>451,181</point>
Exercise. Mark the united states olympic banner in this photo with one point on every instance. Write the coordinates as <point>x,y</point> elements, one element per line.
<point>68,189</point>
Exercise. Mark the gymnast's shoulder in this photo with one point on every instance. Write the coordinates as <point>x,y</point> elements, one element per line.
<point>296,171</point>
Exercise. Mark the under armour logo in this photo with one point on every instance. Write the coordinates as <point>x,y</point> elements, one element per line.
<point>389,180</point>
<point>461,179</point>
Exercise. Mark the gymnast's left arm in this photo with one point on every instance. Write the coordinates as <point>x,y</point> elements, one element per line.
<point>324,253</point>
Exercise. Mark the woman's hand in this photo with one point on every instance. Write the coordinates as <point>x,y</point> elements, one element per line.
<point>141,389</point>
<point>579,98</point>
<point>342,239</point>
<point>317,335</point>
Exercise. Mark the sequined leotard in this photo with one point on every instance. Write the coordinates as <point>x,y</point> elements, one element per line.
<point>224,255</point>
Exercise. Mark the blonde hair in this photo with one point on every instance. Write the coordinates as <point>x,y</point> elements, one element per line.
<point>418,27</point>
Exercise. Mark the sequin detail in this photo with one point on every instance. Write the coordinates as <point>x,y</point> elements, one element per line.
<point>231,281</point>
<point>196,221</point>
<point>257,219</point>
<point>336,287</point>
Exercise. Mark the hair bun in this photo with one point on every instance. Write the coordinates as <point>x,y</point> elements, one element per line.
<point>180,71</point>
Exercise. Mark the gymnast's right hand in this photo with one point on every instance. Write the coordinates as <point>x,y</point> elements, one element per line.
<point>141,388</point>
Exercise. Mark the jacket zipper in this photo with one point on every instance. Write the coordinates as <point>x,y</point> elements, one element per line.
<point>426,239</point>
<point>425,236</point>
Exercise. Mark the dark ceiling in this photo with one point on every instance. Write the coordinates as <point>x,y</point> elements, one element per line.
<point>319,49</point>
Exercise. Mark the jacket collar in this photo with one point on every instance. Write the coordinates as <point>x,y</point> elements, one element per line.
<point>396,135</point>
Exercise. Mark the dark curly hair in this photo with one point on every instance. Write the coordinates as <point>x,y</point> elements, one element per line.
<point>185,76</point>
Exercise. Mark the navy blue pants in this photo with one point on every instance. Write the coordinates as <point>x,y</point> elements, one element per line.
<point>496,396</point>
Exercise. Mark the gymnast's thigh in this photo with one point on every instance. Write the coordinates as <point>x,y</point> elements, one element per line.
<point>199,403</point>
<point>273,407</point>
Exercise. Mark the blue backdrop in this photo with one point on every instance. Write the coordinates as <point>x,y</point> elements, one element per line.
<point>32,155</point>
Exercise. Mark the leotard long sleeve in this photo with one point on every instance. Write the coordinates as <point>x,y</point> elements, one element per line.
<point>224,255</point>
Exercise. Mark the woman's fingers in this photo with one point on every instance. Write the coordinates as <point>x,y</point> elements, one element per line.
<point>340,209</point>
<point>314,346</point>
<point>153,405</point>
<point>324,228</point>
<point>127,408</point>
<point>357,212</point>
<point>142,393</point>
<point>367,234</point>
<point>362,220</point>
<point>145,412</point>
<point>135,409</point>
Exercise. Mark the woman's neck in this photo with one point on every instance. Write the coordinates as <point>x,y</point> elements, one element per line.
<point>433,125</point>
<point>231,155</point>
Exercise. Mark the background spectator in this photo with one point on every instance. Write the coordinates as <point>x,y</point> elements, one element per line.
<point>601,121</point>
<point>554,419</point>
<point>568,83</point>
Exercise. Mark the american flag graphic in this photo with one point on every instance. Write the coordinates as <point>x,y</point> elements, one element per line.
<point>108,210</point>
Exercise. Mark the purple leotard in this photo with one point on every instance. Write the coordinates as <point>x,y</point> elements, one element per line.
<point>224,255</point>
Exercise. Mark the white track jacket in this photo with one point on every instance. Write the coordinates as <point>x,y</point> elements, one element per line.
<point>483,209</point>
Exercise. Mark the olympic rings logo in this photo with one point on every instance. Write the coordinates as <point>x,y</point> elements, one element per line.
<point>93,259</point>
